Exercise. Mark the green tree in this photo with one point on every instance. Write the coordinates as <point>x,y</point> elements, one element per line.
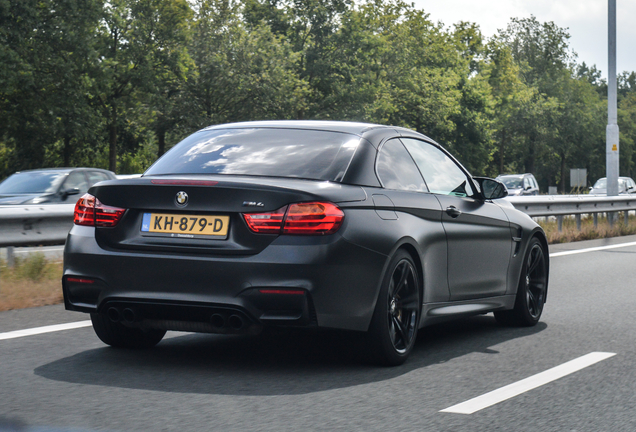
<point>139,42</point>
<point>45,52</point>
<point>242,73</point>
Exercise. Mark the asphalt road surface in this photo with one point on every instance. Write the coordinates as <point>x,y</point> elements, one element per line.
<point>575,371</point>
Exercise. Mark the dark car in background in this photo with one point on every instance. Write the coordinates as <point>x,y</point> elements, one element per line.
<point>626,185</point>
<point>307,224</point>
<point>520,184</point>
<point>50,185</point>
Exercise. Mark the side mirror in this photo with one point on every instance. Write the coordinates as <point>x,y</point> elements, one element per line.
<point>72,191</point>
<point>491,189</point>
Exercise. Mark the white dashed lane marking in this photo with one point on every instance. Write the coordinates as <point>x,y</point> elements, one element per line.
<point>593,249</point>
<point>45,329</point>
<point>504,393</point>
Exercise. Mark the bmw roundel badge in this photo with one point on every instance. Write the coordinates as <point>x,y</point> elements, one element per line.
<point>181,199</point>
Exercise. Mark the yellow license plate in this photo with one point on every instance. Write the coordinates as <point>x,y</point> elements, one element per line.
<point>185,226</point>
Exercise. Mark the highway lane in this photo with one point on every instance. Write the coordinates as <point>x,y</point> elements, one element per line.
<point>192,382</point>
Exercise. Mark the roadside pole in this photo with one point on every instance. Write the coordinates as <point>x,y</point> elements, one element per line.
<point>611,133</point>
<point>611,146</point>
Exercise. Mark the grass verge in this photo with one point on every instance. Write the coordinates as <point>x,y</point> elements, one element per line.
<point>33,281</point>
<point>588,232</point>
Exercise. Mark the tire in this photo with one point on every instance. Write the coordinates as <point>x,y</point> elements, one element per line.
<point>395,321</point>
<point>120,336</point>
<point>531,292</point>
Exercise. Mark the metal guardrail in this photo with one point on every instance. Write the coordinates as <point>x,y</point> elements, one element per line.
<point>563,205</point>
<point>29,225</point>
<point>574,205</point>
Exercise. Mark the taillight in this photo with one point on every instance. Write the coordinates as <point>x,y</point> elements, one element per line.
<point>266,223</point>
<point>85,211</point>
<point>91,212</point>
<point>314,218</point>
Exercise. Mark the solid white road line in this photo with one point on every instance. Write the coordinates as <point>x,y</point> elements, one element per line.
<point>515,389</point>
<point>45,329</point>
<point>594,249</point>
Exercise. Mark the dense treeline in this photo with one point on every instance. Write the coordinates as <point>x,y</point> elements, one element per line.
<point>115,83</point>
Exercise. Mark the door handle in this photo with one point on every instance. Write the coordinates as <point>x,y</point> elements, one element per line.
<point>453,211</point>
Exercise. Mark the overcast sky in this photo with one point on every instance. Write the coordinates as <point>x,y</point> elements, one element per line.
<point>585,19</point>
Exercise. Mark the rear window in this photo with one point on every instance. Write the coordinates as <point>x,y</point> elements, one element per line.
<point>309,154</point>
<point>512,182</point>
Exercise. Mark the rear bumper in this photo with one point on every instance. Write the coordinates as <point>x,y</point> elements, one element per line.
<point>324,281</point>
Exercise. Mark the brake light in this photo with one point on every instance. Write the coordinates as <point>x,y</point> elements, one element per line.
<point>314,218</point>
<point>185,182</point>
<point>90,211</point>
<point>266,223</point>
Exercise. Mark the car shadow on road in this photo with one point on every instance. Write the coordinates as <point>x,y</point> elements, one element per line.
<point>272,364</point>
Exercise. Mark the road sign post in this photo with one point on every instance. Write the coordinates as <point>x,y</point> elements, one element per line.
<point>611,145</point>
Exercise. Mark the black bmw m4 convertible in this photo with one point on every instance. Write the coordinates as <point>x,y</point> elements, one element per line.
<point>352,226</point>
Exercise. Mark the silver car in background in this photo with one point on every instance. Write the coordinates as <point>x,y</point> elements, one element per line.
<point>520,184</point>
<point>626,185</point>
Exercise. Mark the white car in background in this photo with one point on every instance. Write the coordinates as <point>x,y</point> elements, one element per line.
<point>626,185</point>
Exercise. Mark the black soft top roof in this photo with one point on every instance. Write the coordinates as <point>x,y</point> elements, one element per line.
<point>332,126</point>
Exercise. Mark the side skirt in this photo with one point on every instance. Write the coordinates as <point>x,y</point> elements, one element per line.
<point>437,312</point>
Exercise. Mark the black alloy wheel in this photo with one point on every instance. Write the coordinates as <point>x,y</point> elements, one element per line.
<point>393,329</point>
<point>531,292</point>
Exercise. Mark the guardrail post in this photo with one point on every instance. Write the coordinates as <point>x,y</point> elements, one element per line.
<point>560,223</point>
<point>578,222</point>
<point>10,257</point>
<point>627,218</point>
<point>595,220</point>
<point>610,218</point>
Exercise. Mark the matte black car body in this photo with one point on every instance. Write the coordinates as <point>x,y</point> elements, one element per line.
<point>64,186</point>
<point>467,251</point>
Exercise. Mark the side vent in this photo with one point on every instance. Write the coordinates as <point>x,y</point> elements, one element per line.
<point>517,240</point>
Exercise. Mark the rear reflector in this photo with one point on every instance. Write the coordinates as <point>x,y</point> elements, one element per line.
<point>90,211</point>
<point>314,218</point>
<point>281,291</point>
<point>80,280</point>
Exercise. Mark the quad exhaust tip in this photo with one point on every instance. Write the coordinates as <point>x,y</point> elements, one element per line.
<point>113,314</point>
<point>234,322</point>
<point>128,315</point>
<point>217,321</point>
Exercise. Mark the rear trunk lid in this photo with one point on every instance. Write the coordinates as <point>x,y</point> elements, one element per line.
<point>203,214</point>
